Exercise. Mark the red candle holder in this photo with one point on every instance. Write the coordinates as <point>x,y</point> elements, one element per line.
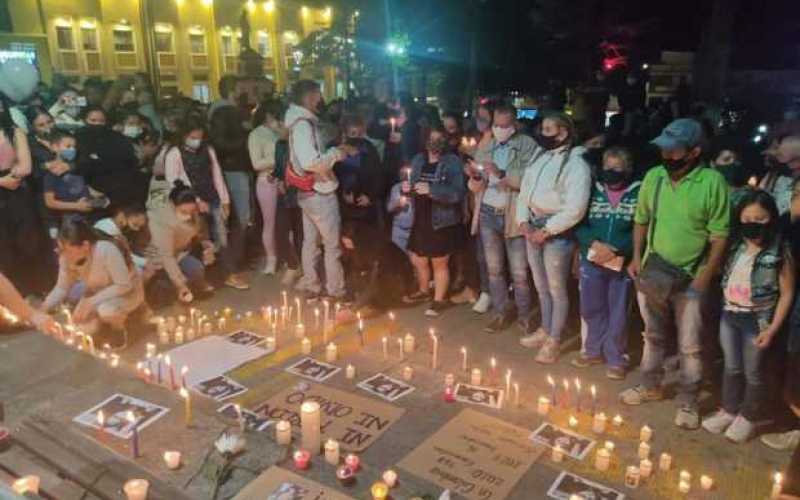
<point>302,458</point>
<point>352,461</point>
<point>346,475</point>
<point>449,394</point>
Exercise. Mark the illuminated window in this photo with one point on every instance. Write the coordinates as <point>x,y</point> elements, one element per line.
<point>123,40</point>
<point>227,44</point>
<point>89,39</point>
<point>197,43</point>
<point>64,38</point>
<point>163,41</point>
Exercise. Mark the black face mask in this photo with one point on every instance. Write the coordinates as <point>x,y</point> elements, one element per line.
<point>437,146</point>
<point>675,165</point>
<point>614,177</point>
<point>753,230</point>
<point>548,142</point>
<point>735,174</point>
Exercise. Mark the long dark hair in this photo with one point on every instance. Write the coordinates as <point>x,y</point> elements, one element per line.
<point>7,124</point>
<point>181,194</point>
<point>190,123</point>
<point>76,230</point>
<point>34,112</point>
<point>765,201</point>
<point>269,106</point>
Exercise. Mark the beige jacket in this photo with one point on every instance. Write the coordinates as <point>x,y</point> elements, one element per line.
<point>171,239</point>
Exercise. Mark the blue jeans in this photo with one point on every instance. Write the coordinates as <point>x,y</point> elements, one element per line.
<point>193,269</point>
<point>743,384</point>
<point>685,310</point>
<point>497,248</point>
<point>483,268</point>
<point>604,298</point>
<point>241,194</point>
<point>550,265</point>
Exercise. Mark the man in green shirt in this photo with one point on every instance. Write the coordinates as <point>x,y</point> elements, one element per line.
<point>693,215</point>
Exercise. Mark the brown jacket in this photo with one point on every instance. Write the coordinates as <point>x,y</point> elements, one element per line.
<point>171,239</point>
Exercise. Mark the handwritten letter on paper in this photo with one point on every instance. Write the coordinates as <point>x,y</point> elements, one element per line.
<point>475,455</point>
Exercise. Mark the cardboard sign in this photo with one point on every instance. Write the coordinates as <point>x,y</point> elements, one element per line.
<point>355,421</point>
<point>474,455</point>
<point>280,484</point>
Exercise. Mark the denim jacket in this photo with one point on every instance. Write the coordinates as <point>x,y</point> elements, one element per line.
<point>447,192</point>
<point>764,284</point>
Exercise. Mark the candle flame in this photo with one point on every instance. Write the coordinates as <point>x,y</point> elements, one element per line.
<point>167,360</point>
<point>184,393</point>
<point>578,384</point>
<point>101,418</point>
<point>131,417</point>
<point>184,370</point>
<point>550,380</point>
<point>463,350</point>
<point>493,362</point>
<point>593,390</point>
<point>778,477</point>
<point>566,384</point>
<point>391,315</point>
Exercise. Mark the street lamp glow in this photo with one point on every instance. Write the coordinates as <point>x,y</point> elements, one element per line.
<point>251,5</point>
<point>645,66</point>
<point>762,129</point>
<point>327,13</point>
<point>269,6</point>
<point>304,11</point>
<point>401,50</point>
<point>208,3</point>
<point>391,48</point>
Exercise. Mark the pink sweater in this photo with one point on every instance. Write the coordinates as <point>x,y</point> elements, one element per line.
<point>173,170</point>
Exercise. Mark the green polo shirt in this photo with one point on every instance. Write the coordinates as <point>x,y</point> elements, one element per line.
<point>689,214</point>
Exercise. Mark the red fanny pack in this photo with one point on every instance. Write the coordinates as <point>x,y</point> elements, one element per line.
<point>302,182</point>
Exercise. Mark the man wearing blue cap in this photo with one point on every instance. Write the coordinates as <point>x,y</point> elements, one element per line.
<point>681,227</point>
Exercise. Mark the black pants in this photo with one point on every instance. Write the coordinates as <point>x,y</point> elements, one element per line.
<point>289,234</point>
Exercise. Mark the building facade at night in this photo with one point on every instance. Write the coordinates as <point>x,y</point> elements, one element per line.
<point>186,44</point>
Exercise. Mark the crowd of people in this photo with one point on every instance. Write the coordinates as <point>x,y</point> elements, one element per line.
<point>129,205</point>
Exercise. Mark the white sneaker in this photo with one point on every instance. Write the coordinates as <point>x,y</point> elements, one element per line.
<point>740,430</point>
<point>782,441</point>
<point>718,422</point>
<point>535,340</point>
<point>271,265</point>
<point>483,304</point>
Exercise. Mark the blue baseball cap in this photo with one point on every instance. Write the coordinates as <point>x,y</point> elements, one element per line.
<point>681,133</point>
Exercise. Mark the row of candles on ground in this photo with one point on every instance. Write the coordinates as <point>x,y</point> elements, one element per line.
<point>310,432</point>
<point>151,371</point>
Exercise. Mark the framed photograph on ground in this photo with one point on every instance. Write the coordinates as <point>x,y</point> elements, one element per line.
<point>245,338</point>
<point>481,396</point>
<point>312,369</point>
<point>574,445</point>
<point>568,484</point>
<point>385,387</point>
<point>220,388</point>
<point>115,413</point>
<point>251,420</point>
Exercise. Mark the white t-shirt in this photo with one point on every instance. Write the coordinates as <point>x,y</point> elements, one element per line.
<point>738,293</point>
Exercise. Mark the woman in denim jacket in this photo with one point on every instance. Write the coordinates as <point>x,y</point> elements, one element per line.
<point>758,285</point>
<point>435,184</point>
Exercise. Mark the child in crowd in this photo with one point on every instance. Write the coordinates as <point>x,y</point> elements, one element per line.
<point>127,223</point>
<point>758,287</point>
<point>68,193</point>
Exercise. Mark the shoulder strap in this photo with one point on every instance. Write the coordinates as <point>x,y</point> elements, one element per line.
<point>291,137</point>
<point>650,237</point>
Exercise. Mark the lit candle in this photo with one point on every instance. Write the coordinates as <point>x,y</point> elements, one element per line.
<point>172,459</point>
<point>300,330</point>
<point>239,417</point>
<point>777,485</point>
<point>299,310</point>
<point>449,380</point>
<point>602,459</point>
<point>632,477</point>
<point>645,468</point>
<point>644,450</point>
<point>332,452</point>
<point>557,454</point>
<point>168,362</point>
<point>464,359</point>
<point>617,421</point>
<point>350,372</point>
<point>385,342</point>
<point>609,445</point>
<point>435,353</point>
<point>593,390</point>
<point>408,373</point>
<point>508,384</point>
<point>684,486</point>
<point>706,483</point>
<point>101,426</point>
<point>316,318</point>
<point>26,484</point>
<point>361,338</point>
<point>408,343</point>
<point>565,401</point>
<point>516,394</point>
<point>390,478</point>
<point>645,434</point>
<point>599,423</point>
<point>402,349</point>
<point>184,371</point>
<point>552,384</point>
<point>305,346</point>
<point>134,434</point>
<point>475,378</point>
<point>187,406</point>
<point>136,489</point>
<point>114,360</point>
<point>353,462</point>
<point>392,123</point>
<point>158,369</point>
<point>578,394</point>
<point>310,426</point>
<point>179,335</point>
<point>392,322</point>
<point>330,353</point>
<point>283,432</point>
<point>150,350</point>
<point>379,490</point>
<point>543,407</point>
<point>148,375</point>
<point>493,366</point>
<point>686,476</point>
<point>285,299</point>
<point>573,422</point>
<point>302,459</point>
<point>665,462</point>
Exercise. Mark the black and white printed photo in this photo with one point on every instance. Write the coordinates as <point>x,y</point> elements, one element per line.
<point>252,421</point>
<point>245,338</point>
<point>290,491</point>
<point>574,445</point>
<point>312,369</point>
<point>568,484</point>
<point>476,395</point>
<point>385,387</point>
<point>115,415</point>
<point>220,388</point>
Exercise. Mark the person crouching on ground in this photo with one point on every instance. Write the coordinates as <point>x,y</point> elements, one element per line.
<point>112,288</point>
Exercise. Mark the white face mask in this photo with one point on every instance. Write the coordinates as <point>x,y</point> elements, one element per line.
<point>132,131</point>
<point>193,143</point>
<point>502,134</point>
